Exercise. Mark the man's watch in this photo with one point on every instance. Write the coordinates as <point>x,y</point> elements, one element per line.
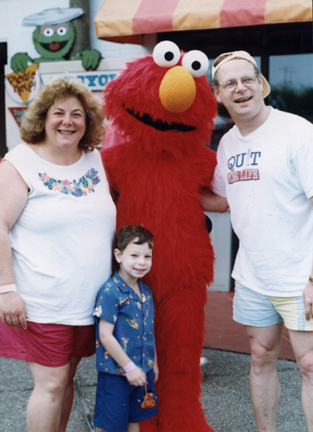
<point>311,279</point>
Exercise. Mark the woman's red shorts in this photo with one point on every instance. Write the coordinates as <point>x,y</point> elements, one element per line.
<point>49,345</point>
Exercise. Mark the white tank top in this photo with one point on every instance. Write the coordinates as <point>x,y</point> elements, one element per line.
<point>62,242</point>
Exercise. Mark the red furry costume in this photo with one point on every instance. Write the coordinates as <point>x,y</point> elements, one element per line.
<point>166,115</point>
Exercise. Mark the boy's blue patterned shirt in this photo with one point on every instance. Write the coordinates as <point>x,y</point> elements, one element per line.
<point>133,320</point>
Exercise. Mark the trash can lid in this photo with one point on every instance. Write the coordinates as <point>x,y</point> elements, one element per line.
<point>52,16</point>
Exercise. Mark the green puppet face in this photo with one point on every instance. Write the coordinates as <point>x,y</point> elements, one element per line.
<point>54,41</point>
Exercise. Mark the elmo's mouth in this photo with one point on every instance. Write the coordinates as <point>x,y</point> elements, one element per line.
<point>160,125</point>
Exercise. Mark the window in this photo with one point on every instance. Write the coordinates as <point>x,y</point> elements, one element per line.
<point>291,79</point>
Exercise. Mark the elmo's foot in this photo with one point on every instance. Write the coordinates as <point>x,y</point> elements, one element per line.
<point>149,425</point>
<point>187,427</point>
<point>178,422</point>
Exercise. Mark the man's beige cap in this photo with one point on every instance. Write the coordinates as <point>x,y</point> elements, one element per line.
<point>239,55</point>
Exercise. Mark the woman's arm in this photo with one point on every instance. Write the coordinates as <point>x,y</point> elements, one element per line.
<point>136,376</point>
<point>13,198</point>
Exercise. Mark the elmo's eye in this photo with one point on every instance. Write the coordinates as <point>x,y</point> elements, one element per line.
<point>166,54</point>
<point>196,62</point>
<point>48,32</point>
<point>61,31</point>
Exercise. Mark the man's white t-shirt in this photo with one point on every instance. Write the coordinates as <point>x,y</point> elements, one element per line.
<point>267,178</point>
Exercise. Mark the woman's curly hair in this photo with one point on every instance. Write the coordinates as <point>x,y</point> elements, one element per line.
<point>33,123</point>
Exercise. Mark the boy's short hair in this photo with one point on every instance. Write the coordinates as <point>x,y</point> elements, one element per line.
<point>129,233</point>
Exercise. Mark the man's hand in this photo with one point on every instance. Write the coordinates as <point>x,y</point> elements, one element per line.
<point>308,301</point>
<point>12,310</point>
<point>137,377</point>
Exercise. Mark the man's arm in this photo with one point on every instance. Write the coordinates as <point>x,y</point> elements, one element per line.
<point>212,202</point>
<point>13,198</point>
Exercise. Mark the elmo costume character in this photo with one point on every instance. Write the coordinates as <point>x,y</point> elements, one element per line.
<point>163,106</point>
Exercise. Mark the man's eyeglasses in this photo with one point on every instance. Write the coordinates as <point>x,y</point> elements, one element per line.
<point>247,80</point>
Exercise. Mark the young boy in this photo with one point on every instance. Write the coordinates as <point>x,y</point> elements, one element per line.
<point>126,356</point>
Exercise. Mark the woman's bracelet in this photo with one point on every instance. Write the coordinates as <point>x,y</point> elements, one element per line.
<point>7,288</point>
<point>129,367</point>
<point>311,280</point>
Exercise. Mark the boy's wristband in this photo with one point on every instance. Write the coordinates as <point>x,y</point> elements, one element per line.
<point>7,288</point>
<point>129,367</point>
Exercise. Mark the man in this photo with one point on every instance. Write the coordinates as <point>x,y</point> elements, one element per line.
<point>264,174</point>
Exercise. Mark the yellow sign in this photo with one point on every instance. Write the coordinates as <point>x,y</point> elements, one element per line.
<point>23,82</point>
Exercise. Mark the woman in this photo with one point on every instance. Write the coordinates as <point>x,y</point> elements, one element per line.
<point>57,222</point>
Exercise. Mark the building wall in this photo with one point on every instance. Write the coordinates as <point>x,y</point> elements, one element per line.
<point>19,37</point>
<point>12,13</point>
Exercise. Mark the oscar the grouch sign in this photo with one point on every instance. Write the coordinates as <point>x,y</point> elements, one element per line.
<point>53,39</point>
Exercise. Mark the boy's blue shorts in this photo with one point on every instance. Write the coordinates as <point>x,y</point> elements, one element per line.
<point>119,403</point>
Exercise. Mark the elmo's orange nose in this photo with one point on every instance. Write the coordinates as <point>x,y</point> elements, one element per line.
<point>177,90</point>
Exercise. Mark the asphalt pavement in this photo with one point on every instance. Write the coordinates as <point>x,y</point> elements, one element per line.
<point>225,394</point>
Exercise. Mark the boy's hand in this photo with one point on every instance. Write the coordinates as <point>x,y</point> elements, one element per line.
<point>155,371</point>
<point>137,377</point>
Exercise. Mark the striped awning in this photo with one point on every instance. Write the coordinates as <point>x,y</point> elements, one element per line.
<point>127,20</point>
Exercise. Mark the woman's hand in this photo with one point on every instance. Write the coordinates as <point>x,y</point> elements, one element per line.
<point>12,310</point>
